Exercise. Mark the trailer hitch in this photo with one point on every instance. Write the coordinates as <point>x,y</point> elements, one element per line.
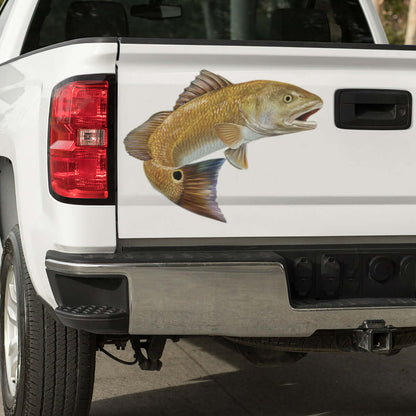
<point>375,337</point>
<point>153,346</point>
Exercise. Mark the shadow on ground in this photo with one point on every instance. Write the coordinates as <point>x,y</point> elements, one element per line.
<point>320,384</point>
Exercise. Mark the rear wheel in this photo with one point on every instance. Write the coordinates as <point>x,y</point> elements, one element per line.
<point>47,369</point>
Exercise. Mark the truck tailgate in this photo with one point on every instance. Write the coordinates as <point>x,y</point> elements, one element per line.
<point>324,182</point>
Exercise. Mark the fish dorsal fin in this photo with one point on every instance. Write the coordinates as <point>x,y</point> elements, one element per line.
<point>230,134</point>
<point>205,82</point>
<point>238,157</point>
<point>136,141</point>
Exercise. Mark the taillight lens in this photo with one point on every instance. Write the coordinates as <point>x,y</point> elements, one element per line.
<point>79,140</point>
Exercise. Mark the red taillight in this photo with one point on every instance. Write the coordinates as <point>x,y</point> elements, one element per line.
<point>79,140</point>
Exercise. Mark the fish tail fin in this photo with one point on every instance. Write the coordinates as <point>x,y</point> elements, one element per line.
<point>137,140</point>
<point>200,189</point>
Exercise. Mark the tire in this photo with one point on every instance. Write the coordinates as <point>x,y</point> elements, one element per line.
<point>53,371</point>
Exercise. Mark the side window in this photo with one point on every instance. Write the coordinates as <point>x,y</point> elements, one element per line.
<point>4,13</point>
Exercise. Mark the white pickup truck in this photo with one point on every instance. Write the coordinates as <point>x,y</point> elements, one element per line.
<point>131,209</point>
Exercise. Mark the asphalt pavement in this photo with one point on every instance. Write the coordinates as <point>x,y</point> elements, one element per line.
<point>202,377</point>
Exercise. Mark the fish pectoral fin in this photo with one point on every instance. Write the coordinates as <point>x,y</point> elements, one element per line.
<point>199,193</point>
<point>205,82</point>
<point>230,134</point>
<point>238,157</point>
<point>136,142</point>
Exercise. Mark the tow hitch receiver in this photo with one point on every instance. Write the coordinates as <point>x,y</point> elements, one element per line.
<point>375,336</point>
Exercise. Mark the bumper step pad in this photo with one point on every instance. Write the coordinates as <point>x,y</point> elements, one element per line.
<point>100,319</point>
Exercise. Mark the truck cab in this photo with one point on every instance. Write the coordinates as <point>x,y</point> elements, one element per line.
<point>230,168</point>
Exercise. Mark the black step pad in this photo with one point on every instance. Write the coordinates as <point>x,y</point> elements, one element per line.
<point>95,310</point>
<point>99,319</point>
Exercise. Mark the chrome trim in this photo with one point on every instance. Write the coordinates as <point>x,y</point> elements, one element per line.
<point>120,268</point>
<point>231,299</point>
<point>84,250</point>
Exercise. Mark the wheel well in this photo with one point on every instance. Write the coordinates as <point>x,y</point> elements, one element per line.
<point>8,208</point>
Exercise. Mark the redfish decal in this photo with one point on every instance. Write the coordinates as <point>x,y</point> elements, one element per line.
<point>210,115</point>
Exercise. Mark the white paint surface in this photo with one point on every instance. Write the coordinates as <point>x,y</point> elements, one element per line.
<point>326,182</point>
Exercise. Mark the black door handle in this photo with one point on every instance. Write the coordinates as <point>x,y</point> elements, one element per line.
<point>373,109</point>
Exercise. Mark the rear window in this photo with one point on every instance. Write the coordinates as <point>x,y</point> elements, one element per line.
<point>227,20</point>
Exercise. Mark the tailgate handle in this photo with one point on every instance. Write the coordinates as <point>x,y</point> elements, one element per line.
<point>358,109</point>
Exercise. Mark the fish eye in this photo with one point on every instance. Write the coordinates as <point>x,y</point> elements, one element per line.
<point>177,175</point>
<point>288,98</point>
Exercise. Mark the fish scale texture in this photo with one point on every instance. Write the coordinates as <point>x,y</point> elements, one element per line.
<point>188,132</point>
<point>59,362</point>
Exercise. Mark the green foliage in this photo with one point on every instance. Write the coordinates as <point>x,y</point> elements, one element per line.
<point>395,19</point>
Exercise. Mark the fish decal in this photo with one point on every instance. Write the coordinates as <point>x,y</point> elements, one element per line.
<point>210,115</point>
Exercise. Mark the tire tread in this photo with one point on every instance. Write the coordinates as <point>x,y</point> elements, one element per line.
<point>59,362</point>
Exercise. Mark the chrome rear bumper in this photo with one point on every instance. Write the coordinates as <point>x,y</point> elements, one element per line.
<point>241,299</point>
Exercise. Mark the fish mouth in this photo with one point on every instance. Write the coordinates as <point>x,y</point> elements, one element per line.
<point>302,120</point>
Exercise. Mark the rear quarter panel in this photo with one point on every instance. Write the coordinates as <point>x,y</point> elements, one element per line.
<point>26,86</point>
